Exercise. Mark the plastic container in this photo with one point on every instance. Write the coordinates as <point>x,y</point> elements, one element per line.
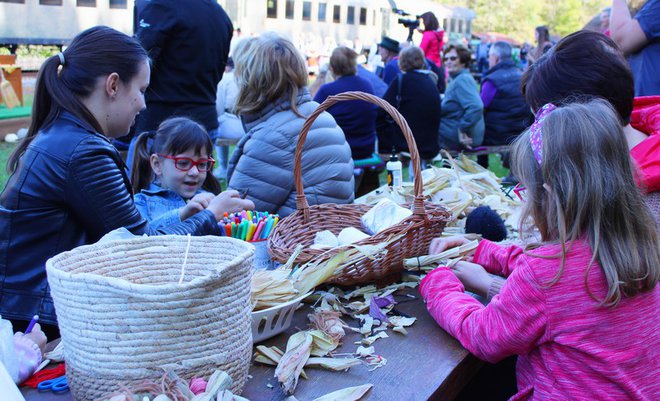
<point>272,321</point>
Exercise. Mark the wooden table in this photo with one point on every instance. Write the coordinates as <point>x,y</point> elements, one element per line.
<point>427,364</point>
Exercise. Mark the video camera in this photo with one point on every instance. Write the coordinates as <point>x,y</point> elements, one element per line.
<point>411,24</point>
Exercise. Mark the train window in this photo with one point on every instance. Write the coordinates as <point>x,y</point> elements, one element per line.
<point>350,18</point>
<point>289,9</point>
<point>453,25</point>
<point>363,16</point>
<point>118,4</point>
<point>50,2</point>
<point>460,26</point>
<point>322,10</point>
<point>13,1</point>
<point>445,26</point>
<point>336,14</point>
<point>271,10</point>
<point>307,10</point>
<point>86,3</point>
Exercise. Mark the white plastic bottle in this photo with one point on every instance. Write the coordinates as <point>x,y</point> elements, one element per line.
<point>394,171</point>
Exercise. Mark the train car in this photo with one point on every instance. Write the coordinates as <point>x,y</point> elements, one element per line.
<point>56,22</point>
<point>323,24</point>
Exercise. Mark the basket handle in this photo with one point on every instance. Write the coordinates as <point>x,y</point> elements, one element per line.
<point>301,200</point>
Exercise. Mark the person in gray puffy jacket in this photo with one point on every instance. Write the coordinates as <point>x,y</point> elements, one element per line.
<point>273,103</point>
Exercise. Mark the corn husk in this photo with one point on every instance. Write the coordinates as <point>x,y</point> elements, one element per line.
<point>420,262</point>
<point>271,288</point>
<point>298,350</point>
<point>347,394</point>
<point>334,364</point>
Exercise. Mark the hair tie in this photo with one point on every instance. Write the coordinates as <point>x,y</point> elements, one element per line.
<point>61,56</point>
<point>536,137</point>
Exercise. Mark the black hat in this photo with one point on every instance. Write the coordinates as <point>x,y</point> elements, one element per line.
<point>389,44</point>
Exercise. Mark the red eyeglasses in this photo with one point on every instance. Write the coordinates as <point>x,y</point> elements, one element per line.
<point>186,163</point>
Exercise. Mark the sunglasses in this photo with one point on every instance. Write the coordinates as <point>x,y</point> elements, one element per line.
<point>185,163</point>
<point>451,58</point>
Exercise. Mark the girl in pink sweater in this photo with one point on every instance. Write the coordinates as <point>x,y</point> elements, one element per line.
<point>580,309</point>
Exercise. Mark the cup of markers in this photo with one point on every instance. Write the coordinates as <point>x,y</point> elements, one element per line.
<point>253,227</point>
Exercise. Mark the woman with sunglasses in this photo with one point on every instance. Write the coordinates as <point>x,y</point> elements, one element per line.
<point>172,172</point>
<point>68,185</point>
<point>462,117</point>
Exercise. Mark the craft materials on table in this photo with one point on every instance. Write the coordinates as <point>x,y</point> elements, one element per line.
<point>249,225</point>
<point>57,385</point>
<point>34,321</point>
<point>46,374</point>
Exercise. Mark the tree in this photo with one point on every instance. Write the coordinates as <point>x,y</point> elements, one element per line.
<point>518,18</point>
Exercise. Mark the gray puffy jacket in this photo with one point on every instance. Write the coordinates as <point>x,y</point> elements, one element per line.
<point>263,159</point>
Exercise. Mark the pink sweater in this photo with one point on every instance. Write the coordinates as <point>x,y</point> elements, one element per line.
<point>569,347</point>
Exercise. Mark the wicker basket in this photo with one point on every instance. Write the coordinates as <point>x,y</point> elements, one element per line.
<point>124,317</point>
<point>427,221</point>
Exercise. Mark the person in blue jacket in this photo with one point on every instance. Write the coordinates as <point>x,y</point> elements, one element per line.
<point>69,185</point>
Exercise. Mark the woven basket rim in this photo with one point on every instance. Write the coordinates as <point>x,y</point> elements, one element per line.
<point>123,285</point>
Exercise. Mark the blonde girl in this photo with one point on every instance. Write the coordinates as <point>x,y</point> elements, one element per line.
<point>579,308</point>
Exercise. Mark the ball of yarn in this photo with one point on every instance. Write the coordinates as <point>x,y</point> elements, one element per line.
<point>485,221</point>
<point>197,385</point>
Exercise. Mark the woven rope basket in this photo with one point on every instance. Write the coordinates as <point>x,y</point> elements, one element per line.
<point>416,232</point>
<point>124,317</point>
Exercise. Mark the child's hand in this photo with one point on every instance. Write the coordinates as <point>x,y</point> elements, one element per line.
<point>441,244</point>
<point>229,202</point>
<point>36,336</point>
<point>474,277</point>
<point>195,205</point>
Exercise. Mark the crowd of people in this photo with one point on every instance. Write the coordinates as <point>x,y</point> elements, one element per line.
<point>583,122</point>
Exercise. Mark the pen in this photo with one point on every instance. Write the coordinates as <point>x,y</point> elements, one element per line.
<point>245,193</point>
<point>34,321</point>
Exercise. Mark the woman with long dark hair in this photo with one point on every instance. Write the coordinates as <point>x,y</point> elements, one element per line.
<point>69,185</point>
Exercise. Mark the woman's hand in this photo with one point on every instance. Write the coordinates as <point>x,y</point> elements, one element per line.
<point>474,277</point>
<point>195,205</point>
<point>229,202</point>
<point>441,244</point>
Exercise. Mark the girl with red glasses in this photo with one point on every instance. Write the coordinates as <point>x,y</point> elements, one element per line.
<point>172,174</point>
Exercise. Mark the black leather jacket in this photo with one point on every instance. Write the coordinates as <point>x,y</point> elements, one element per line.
<point>70,188</point>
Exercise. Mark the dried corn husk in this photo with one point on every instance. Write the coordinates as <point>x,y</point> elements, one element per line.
<point>347,394</point>
<point>298,350</point>
<point>419,262</point>
<point>335,364</point>
<point>329,322</point>
<point>271,288</point>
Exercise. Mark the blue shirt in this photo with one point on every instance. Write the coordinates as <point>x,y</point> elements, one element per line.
<point>160,207</point>
<point>645,64</point>
<point>380,87</point>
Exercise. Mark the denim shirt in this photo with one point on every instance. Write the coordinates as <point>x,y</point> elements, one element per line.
<point>160,207</point>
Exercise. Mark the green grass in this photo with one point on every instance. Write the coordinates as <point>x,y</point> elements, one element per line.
<point>17,112</point>
<point>5,151</point>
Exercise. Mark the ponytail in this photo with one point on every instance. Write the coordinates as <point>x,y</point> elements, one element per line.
<point>66,78</point>
<point>141,174</point>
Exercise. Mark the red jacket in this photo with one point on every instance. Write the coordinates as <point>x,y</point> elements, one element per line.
<point>646,118</point>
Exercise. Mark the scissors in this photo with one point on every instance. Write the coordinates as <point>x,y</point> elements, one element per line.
<point>57,385</point>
